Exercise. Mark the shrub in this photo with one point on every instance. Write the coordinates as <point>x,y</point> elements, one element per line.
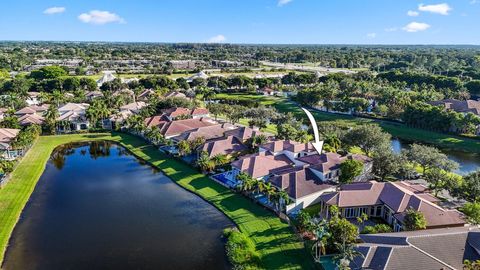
<point>379,228</point>
<point>241,250</point>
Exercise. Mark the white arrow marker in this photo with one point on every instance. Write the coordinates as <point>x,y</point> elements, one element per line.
<point>318,145</point>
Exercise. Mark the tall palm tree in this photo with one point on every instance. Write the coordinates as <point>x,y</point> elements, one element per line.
<point>346,254</point>
<point>51,116</point>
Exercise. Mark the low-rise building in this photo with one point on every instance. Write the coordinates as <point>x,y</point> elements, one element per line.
<point>134,107</point>
<point>390,201</point>
<point>74,117</point>
<point>425,249</point>
<point>7,136</point>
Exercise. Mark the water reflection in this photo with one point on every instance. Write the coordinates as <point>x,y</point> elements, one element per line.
<point>468,162</point>
<point>97,207</point>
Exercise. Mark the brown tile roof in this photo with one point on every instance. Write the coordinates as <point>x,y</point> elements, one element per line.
<point>175,94</point>
<point>463,106</point>
<point>226,146</point>
<point>176,112</point>
<point>34,109</point>
<point>261,164</point>
<point>134,106</point>
<point>209,133</point>
<point>327,162</point>
<point>245,133</point>
<point>177,127</point>
<point>156,121</point>
<point>288,145</point>
<point>425,249</point>
<point>29,119</point>
<point>6,136</point>
<point>299,182</point>
<point>398,196</point>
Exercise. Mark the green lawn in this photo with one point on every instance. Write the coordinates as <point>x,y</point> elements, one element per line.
<point>274,239</point>
<point>397,130</point>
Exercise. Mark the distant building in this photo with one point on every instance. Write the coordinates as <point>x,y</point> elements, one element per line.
<point>107,77</point>
<point>461,106</point>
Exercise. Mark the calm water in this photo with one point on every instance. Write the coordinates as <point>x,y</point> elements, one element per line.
<point>468,162</point>
<point>97,207</point>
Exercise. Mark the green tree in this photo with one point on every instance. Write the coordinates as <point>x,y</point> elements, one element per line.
<point>48,72</point>
<point>349,169</point>
<point>51,116</point>
<point>469,189</point>
<point>414,220</point>
<point>429,157</point>
<point>184,148</point>
<point>10,122</point>
<point>472,211</point>
<point>205,163</point>
<point>438,180</point>
<point>368,137</point>
<point>386,163</point>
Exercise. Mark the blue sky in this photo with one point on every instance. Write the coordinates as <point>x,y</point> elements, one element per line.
<point>245,21</point>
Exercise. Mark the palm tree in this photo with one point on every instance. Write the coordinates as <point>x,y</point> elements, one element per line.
<point>346,254</point>
<point>220,159</point>
<point>155,136</point>
<point>51,116</point>
<point>247,183</point>
<point>320,230</point>
<point>205,163</point>
<point>56,97</point>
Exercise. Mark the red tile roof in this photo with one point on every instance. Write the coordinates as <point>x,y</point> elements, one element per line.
<point>288,145</point>
<point>226,146</point>
<point>299,182</point>
<point>262,164</point>
<point>177,127</point>
<point>398,196</point>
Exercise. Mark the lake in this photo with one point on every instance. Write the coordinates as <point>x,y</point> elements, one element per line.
<point>98,207</point>
<point>468,162</point>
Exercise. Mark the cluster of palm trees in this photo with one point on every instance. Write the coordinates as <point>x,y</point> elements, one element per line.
<point>207,164</point>
<point>97,111</point>
<point>249,186</point>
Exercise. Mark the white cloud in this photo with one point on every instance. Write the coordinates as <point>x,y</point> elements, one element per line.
<point>416,27</point>
<point>413,13</point>
<point>100,17</point>
<point>54,10</point>
<point>442,9</point>
<point>283,2</point>
<point>371,35</point>
<point>473,2</point>
<point>217,39</point>
<point>391,29</point>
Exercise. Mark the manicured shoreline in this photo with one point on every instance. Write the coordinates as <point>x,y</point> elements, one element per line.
<point>278,246</point>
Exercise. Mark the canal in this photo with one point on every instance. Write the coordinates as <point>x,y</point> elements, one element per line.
<point>468,162</point>
<point>98,207</point>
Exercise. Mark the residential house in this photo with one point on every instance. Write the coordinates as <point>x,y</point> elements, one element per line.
<point>434,249</point>
<point>199,75</point>
<point>228,146</point>
<point>327,165</point>
<point>174,113</point>
<point>7,136</point>
<point>31,119</point>
<point>33,109</point>
<point>292,149</point>
<point>156,121</point>
<point>93,95</point>
<point>209,133</point>
<point>175,94</point>
<point>302,185</point>
<point>461,106</point>
<point>175,128</point>
<point>133,107</point>
<point>107,77</point>
<point>146,95</point>
<point>33,98</point>
<point>390,201</point>
<point>245,133</point>
<point>260,165</point>
<point>74,117</point>
<point>2,113</point>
